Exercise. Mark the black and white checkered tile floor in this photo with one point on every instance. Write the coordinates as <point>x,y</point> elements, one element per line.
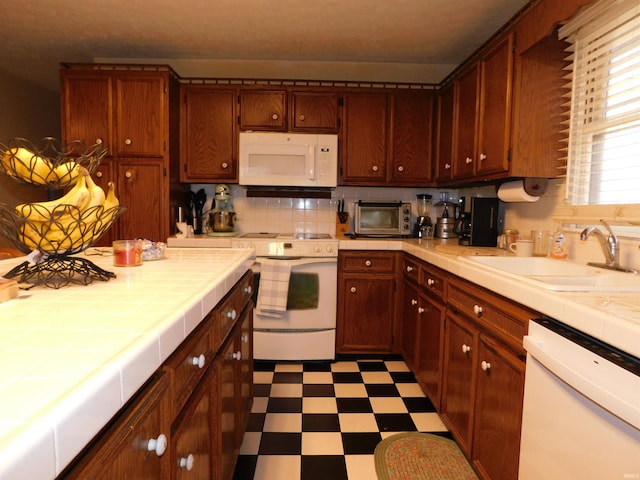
<point>323,420</point>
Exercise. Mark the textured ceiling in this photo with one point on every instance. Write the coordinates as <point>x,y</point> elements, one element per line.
<point>37,35</point>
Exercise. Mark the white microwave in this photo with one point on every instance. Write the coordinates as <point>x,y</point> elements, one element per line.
<point>288,159</point>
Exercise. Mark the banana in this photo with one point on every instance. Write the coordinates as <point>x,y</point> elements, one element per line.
<point>65,173</point>
<point>111,200</point>
<point>27,166</point>
<point>77,197</point>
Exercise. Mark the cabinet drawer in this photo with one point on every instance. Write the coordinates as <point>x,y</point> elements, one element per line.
<point>434,280</point>
<point>410,269</point>
<point>231,308</point>
<point>189,363</point>
<point>367,262</point>
<point>500,316</point>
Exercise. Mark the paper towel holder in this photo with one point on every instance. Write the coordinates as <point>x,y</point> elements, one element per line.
<point>534,186</point>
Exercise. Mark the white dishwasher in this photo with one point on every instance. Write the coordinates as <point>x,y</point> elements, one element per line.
<point>581,416</point>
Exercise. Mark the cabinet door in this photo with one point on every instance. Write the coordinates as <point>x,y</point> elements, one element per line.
<point>123,451</point>
<point>191,438</point>
<point>140,189</point>
<point>459,378</point>
<point>208,134</point>
<point>410,313</point>
<point>445,133</point>
<point>103,175</point>
<point>225,420</point>
<point>86,105</point>
<point>141,106</point>
<point>364,139</point>
<point>411,132</point>
<point>498,407</point>
<point>315,111</point>
<point>465,113</point>
<point>244,344</point>
<point>263,110</point>
<point>429,330</point>
<point>366,314</point>
<point>494,132</point>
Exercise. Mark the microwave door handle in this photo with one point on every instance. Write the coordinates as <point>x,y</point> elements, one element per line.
<point>311,162</point>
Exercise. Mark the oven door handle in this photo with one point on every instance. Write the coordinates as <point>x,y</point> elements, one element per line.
<point>297,261</point>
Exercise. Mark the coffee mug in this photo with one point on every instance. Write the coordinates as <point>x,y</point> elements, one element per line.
<point>522,247</point>
<point>541,242</point>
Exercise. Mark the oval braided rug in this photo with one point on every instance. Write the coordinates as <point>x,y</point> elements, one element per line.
<point>421,456</point>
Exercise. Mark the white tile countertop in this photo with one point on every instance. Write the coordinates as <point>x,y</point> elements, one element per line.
<point>70,358</point>
<point>609,316</point>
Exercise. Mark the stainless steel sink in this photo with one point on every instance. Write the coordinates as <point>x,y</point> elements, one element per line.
<point>558,275</point>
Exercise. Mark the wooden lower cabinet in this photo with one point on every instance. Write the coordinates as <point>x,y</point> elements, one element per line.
<point>121,450</point>
<point>366,302</point>
<point>188,421</point>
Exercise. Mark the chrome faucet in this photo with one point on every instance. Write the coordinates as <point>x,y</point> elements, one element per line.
<point>610,247</point>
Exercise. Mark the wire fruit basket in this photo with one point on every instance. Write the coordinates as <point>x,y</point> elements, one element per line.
<point>51,232</point>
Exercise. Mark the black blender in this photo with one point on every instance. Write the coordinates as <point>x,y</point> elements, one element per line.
<point>423,219</point>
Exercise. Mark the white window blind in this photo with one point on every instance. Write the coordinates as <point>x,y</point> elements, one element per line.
<point>603,166</point>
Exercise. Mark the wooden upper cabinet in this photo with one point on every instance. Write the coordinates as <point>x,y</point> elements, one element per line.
<point>364,139</point>
<point>466,114</point>
<point>208,134</point>
<point>263,110</point>
<point>411,138</point>
<point>315,111</point>
<point>494,126</point>
<point>445,133</point>
<point>141,106</point>
<point>86,104</point>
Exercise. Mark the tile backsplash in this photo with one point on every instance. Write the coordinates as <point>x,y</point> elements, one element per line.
<point>297,215</point>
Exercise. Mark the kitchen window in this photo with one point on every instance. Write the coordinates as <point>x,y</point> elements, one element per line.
<point>603,164</point>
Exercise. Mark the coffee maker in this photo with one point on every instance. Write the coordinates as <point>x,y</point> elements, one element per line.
<point>423,219</point>
<point>479,221</point>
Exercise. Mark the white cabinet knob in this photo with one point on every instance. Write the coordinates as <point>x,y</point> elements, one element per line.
<point>431,282</point>
<point>99,174</point>
<point>127,141</point>
<point>401,168</point>
<point>186,462</point>
<point>409,268</point>
<point>98,141</point>
<point>225,165</point>
<point>414,301</point>
<point>486,366</point>
<point>128,174</point>
<point>245,338</point>
<point>468,160</point>
<point>237,355</point>
<point>275,116</point>
<point>465,348</point>
<point>367,263</point>
<point>232,314</point>
<point>199,361</point>
<point>447,166</point>
<point>301,117</point>
<point>353,289</point>
<point>248,289</point>
<point>374,168</point>
<point>477,309</point>
<point>158,445</point>
<point>483,157</point>
<point>420,309</point>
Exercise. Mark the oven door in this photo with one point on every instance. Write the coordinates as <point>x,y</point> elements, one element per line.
<point>311,298</point>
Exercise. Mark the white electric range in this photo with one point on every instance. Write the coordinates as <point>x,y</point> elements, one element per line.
<point>296,295</point>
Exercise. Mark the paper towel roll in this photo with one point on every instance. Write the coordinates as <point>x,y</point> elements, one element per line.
<point>511,192</point>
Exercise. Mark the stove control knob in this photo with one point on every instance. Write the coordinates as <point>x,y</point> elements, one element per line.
<point>317,248</point>
<point>330,249</point>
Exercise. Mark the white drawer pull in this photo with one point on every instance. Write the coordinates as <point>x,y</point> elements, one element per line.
<point>159,445</point>
<point>486,366</point>
<point>186,462</point>
<point>237,355</point>
<point>431,282</point>
<point>477,309</point>
<point>198,361</point>
<point>465,348</point>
